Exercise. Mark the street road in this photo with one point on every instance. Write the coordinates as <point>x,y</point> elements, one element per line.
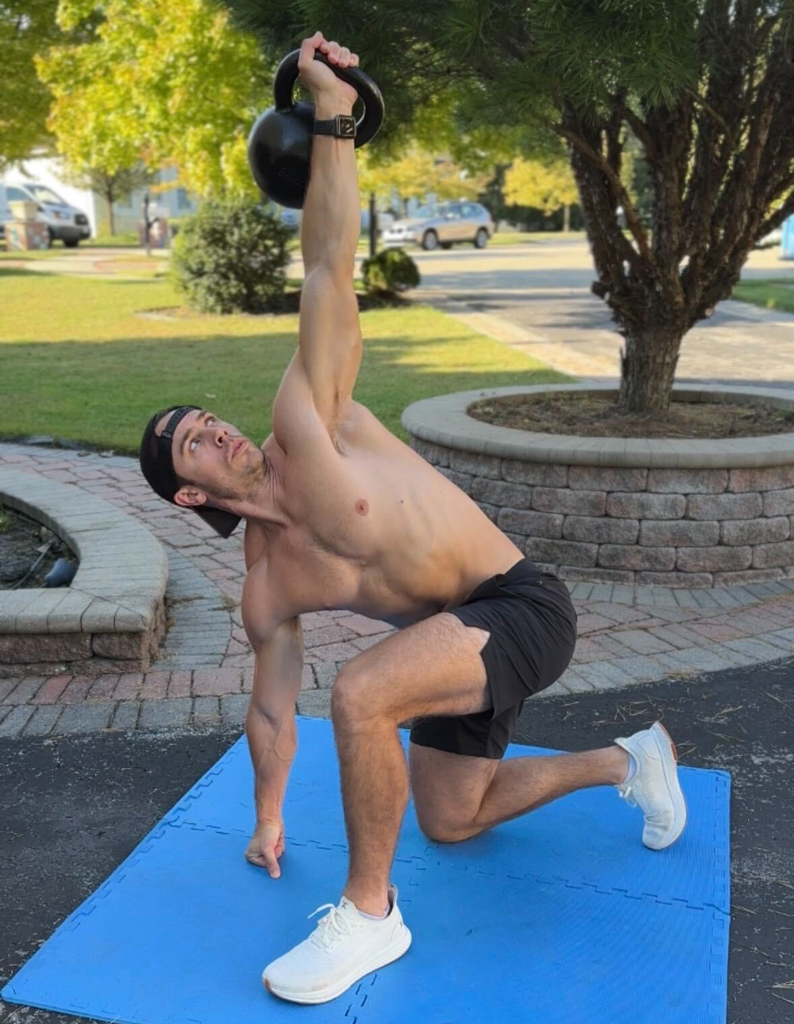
<point>543,291</point>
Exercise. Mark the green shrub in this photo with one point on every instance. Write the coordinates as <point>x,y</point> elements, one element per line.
<point>392,271</point>
<point>232,258</point>
<point>175,224</point>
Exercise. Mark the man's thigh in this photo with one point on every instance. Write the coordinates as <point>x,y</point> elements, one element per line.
<point>433,667</point>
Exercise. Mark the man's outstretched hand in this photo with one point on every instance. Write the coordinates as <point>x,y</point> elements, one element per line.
<point>319,79</point>
<point>266,847</point>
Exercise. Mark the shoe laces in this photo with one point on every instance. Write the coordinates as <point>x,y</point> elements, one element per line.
<point>333,927</point>
<point>656,817</point>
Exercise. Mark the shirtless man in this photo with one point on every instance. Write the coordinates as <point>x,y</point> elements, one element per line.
<point>340,514</point>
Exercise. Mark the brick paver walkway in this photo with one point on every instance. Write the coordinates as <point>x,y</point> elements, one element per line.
<point>627,635</point>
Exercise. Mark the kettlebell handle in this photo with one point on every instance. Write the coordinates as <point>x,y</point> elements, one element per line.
<point>368,92</point>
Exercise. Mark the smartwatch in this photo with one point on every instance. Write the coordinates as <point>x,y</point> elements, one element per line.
<point>343,126</point>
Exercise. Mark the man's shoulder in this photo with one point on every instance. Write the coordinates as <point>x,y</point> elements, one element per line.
<point>359,426</point>
<point>263,604</point>
<point>254,545</point>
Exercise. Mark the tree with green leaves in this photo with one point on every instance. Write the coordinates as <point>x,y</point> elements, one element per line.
<point>27,28</point>
<point>415,173</point>
<point>548,186</point>
<point>160,84</point>
<point>705,86</point>
<point>111,185</point>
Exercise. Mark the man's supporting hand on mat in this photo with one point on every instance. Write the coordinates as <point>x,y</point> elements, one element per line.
<point>267,846</point>
<point>272,736</point>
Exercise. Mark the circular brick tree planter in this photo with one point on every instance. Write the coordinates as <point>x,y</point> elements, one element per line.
<point>112,618</point>
<point>676,513</point>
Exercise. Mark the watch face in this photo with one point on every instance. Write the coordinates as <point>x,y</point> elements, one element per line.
<point>347,126</point>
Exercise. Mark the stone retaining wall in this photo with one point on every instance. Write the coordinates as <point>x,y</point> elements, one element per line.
<point>633,524</point>
<point>112,618</point>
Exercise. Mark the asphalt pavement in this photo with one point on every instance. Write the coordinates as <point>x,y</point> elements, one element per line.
<point>542,291</point>
<point>72,808</point>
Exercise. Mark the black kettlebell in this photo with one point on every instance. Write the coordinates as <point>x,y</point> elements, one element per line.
<point>280,143</point>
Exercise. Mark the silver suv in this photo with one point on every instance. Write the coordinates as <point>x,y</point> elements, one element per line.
<point>443,224</point>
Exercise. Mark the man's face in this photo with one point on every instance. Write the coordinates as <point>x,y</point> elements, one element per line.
<point>218,461</point>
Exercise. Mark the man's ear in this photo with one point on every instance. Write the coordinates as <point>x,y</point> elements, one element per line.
<point>188,497</point>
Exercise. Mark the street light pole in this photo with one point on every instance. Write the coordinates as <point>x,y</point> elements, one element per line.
<point>373,226</point>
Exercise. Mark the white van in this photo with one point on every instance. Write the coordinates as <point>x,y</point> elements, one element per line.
<point>63,221</point>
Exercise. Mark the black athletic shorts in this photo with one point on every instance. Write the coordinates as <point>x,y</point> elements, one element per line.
<point>532,623</point>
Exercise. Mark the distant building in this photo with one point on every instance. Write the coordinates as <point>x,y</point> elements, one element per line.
<point>174,202</point>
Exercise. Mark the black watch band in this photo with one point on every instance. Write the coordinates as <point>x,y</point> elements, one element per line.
<point>343,126</point>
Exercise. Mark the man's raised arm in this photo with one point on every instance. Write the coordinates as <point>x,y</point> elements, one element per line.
<point>331,221</point>
<point>330,336</point>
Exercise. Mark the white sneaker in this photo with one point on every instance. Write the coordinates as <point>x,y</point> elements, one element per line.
<point>654,787</point>
<point>343,948</point>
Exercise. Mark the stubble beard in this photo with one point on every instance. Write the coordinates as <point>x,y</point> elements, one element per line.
<point>249,477</point>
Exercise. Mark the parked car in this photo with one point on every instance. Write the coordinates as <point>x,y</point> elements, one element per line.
<point>63,221</point>
<point>384,221</point>
<point>443,224</point>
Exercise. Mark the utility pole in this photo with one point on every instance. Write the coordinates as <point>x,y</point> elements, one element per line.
<point>373,226</point>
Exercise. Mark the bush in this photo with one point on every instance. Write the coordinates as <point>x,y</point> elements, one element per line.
<point>232,258</point>
<point>391,271</point>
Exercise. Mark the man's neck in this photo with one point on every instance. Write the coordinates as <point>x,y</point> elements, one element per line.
<point>261,510</point>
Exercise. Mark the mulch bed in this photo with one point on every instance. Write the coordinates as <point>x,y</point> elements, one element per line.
<point>22,541</point>
<point>589,416</point>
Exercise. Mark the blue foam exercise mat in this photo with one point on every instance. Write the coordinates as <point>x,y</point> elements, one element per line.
<point>559,917</point>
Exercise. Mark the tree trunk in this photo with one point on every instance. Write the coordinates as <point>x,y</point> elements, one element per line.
<point>648,363</point>
<point>566,218</point>
<point>109,194</point>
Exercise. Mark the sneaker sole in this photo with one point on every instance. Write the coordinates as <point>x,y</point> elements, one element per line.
<point>325,995</point>
<point>674,786</point>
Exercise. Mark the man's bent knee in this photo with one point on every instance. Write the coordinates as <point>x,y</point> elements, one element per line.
<point>444,832</point>
<point>352,703</point>
<point>359,701</point>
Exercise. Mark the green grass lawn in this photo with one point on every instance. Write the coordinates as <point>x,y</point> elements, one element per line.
<point>499,238</point>
<point>524,237</point>
<point>78,363</point>
<point>776,293</point>
<point>124,240</point>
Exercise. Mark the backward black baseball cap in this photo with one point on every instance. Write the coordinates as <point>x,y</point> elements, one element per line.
<point>157,466</point>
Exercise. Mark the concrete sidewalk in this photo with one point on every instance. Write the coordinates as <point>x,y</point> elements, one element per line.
<point>119,263</point>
